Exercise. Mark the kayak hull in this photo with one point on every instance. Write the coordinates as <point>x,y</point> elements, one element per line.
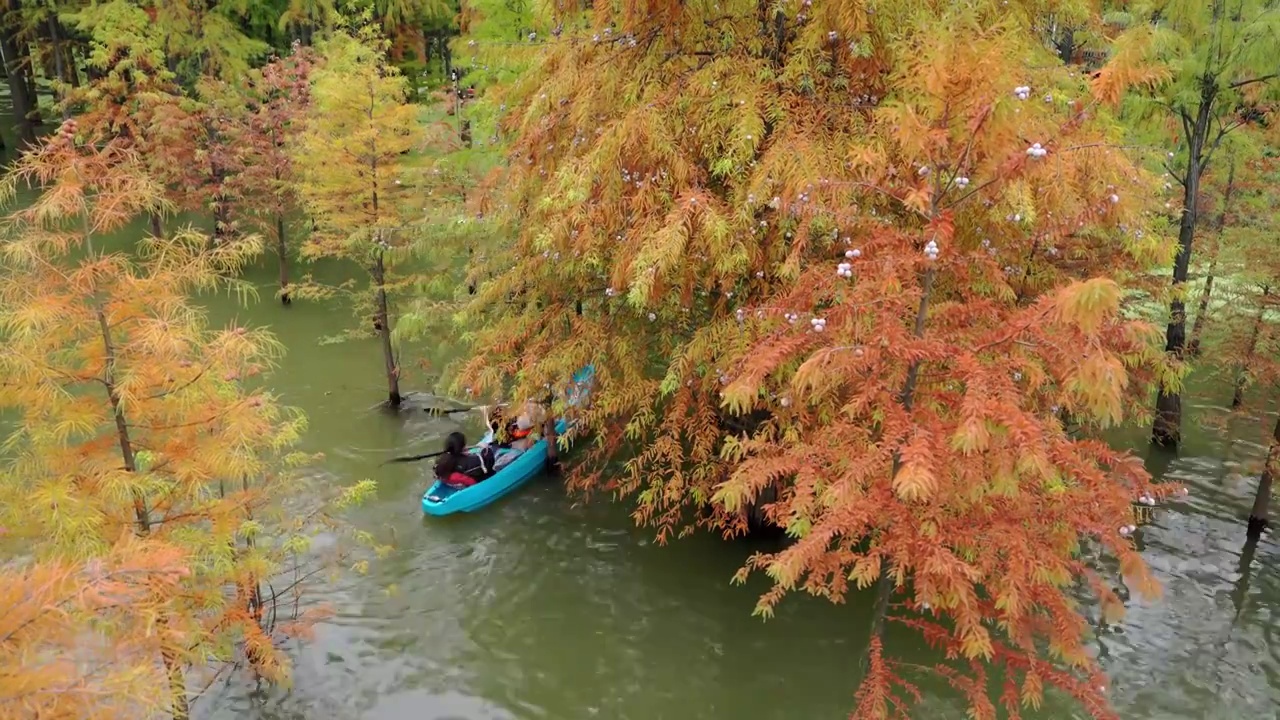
<point>440,499</point>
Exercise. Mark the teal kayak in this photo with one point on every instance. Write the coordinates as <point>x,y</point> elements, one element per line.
<point>515,467</point>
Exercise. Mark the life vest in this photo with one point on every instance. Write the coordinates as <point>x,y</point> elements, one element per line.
<point>518,434</point>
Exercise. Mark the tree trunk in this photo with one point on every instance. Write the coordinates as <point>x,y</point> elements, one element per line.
<point>1066,45</point>
<point>1167,428</point>
<point>220,202</point>
<point>179,704</point>
<point>27,67</point>
<point>157,224</point>
<point>384,331</point>
<point>553,450</point>
<point>1202,307</point>
<point>23,127</point>
<point>885,584</point>
<point>1242,374</point>
<point>282,252</point>
<point>69,60</point>
<point>59,64</point>
<point>1262,501</point>
<point>251,588</point>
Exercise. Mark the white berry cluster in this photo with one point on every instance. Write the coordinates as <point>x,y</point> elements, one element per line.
<point>1127,530</point>
<point>962,182</point>
<point>1035,151</point>
<point>1022,92</point>
<point>931,250</point>
<point>818,324</point>
<point>845,269</point>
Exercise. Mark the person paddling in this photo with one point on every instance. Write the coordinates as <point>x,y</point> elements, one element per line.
<point>458,468</point>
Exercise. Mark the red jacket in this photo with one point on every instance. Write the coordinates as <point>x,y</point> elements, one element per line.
<point>460,480</point>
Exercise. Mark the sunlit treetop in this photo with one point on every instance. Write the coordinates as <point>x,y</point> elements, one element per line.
<point>351,157</point>
<point>856,262</point>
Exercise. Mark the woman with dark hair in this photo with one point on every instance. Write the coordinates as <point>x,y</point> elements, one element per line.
<point>458,468</point>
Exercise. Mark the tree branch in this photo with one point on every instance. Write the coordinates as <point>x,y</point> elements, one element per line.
<point>1251,81</point>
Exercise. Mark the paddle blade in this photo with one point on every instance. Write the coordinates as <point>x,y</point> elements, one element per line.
<point>413,458</point>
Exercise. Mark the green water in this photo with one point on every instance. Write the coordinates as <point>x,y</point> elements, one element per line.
<point>543,608</point>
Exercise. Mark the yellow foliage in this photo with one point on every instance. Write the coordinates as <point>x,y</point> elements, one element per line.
<point>1088,304</point>
<point>133,417</point>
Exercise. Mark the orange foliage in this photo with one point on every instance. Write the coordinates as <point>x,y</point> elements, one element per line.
<point>857,269</point>
<point>76,641</point>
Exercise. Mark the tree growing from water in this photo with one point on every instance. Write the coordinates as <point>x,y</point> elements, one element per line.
<point>853,268</point>
<point>279,97</point>
<point>1244,337</point>
<point>1217,62</point>
<point>356,178</point>
<point>135,416</point>
<point>1225,188</point>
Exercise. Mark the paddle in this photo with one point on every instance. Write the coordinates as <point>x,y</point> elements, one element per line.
<point>442,411</point>
<point>412,458</point>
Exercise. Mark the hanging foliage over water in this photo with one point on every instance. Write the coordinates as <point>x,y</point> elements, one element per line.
<point>856,263</point>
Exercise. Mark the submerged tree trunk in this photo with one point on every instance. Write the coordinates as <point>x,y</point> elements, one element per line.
<point>282,252</point>
<point>384,331</point>
<point>1167,428</point>
<point>1258,515</point>
<point>1065,44</point>
<point>251,588</point>
<point>1242,374</point>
